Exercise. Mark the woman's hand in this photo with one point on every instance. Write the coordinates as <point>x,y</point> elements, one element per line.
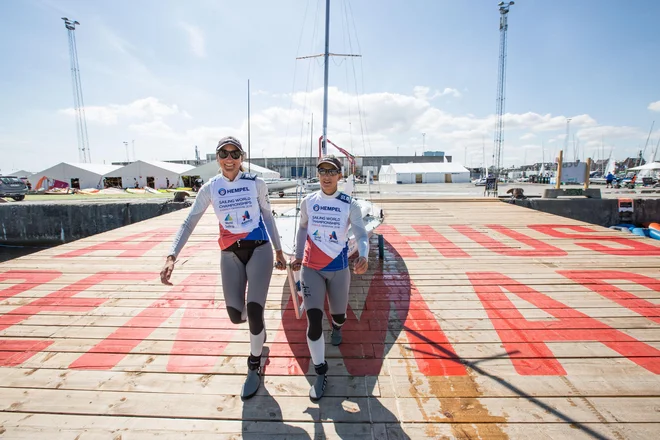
<point>166,272</point>
<point>280,261</point>
<point>296,264</point>
<point>361,266</point>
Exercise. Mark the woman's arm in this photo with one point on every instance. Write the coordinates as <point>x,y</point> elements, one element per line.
<point>202,201</point>
<point>301,235</point>
<point>358,229</point>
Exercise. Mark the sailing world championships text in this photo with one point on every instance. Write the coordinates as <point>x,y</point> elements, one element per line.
<point>242,202</point>
<point>322,220</point>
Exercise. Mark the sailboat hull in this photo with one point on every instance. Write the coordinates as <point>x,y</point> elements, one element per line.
<point>275,185</point>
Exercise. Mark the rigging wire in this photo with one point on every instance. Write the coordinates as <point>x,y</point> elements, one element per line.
<point>295,71</point>
<point>311,68</point>
<point>364,130</point>
<point>348,86</point>
<point>310,71</point>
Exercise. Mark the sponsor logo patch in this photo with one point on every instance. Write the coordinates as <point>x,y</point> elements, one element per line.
<point>318,207</point>
<point>229,221</point>
<point>223,191</point>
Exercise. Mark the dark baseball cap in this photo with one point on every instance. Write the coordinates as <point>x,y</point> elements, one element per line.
<point>332,160</point>
<point>229,140</point>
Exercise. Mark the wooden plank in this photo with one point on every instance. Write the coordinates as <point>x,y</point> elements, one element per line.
<point>473,386</point>
<point>178,383</point>
<point>80,427</point>
<point>383,410</point>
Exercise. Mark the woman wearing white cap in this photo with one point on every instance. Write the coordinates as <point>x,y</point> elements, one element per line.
<point>325,217</point>
<point>240,201</point>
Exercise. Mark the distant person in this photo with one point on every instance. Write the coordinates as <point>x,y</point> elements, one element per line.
<point>28,184</point>
<point>247,227</point>
<point>608,180</point>
<point>137,184</point>
<point>167,182</point>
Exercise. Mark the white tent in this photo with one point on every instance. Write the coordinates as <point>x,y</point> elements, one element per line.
<point>154,174</point>
<point>428,172</point>
<point>647,170</point>
<point>648,166</point>
<point>89,175</point>
<point>20,173</point>
<point>210,169</point>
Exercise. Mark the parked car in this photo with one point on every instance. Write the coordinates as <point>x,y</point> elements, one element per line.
<point>11,186</point>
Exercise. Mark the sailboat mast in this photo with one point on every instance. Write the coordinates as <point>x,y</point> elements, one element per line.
<point>326,56</point>
<point>248,126</point>
<point>311,143</point>
<point>542,157</point>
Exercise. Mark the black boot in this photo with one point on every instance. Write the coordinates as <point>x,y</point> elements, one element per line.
<point>253,379</point>
<point>335,337</point>
<point>318,388</point>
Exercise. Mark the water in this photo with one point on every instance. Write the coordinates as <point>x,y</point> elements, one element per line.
<point>10,252</point>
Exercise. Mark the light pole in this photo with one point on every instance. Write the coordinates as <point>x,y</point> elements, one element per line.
<point>78,102</point>
<point>501,89</point>
<point>265,158</point>
<point>568,123</point>
<point>127,158</point>
<point>423,143</point>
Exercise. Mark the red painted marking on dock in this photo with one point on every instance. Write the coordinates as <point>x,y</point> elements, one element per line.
<point>595,280</point>
<point>15,352</point>
<point>196,294</point>
<point>539,248</point>
<point>633,247</point>
<point>64,299</point>
<point>428,234</point>
<point>135,245</point>
<point>30,278</point>
<point>363,347</point>
<point>519,334</point>
<point>190,251</point>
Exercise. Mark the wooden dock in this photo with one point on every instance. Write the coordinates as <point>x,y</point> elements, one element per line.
<point>485,320</point>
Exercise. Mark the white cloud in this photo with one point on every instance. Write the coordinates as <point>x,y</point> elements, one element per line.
<point>147,108</point>
<point>196,39</point>
<point>593,137</point>
<point>156,128</point>
<point>449,91</point>
<point>424,93</point>
<point>391,123</point>
<point>655,106</point>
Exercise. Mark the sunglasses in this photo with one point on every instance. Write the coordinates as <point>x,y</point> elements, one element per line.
<point>323,172</point>
<point>224,154</point>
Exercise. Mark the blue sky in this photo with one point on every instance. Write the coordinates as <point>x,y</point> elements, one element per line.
<point>171,75</point>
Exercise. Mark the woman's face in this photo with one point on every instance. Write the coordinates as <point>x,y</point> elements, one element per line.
<point>229,165</point>
<point>328,181</point>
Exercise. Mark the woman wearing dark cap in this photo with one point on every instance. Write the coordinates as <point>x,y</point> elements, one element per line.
<point>247,227</point>
<point>325,217</point>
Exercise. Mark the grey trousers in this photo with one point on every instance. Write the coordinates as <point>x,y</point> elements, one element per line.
<point>315,283</point>
<point>255,274</point>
